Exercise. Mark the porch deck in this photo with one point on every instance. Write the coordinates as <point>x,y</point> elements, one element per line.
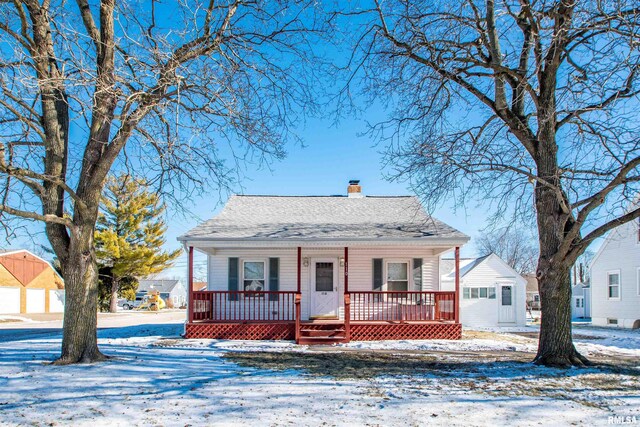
<point>367,316</point>
<point>364,315</point>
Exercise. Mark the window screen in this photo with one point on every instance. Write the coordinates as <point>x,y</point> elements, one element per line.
<point>397,276</point>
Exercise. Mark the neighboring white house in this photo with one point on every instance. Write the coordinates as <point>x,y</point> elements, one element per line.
<point>172,291</point>
<point>580,301</point>
<point>615,278</point>
<point>493,293</point>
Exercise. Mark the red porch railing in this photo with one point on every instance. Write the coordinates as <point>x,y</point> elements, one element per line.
<point>402,306</point>
<point>282,306</point>
<point>244,306</point>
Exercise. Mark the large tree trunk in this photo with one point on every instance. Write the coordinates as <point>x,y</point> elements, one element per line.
<point>113,303</point>
<point>555,347</point>
<point>79,340</point>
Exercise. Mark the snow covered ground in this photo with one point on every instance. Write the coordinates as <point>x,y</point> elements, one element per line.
<point>157,378</point>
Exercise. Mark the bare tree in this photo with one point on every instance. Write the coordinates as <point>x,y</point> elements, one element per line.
<point>169,89</point>
<point>492,96</point>
<point>516,247</point>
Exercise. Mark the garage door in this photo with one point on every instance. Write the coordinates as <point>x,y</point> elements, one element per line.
<point>56,301</point>
<point>35,300</point>
<point>9,300</point>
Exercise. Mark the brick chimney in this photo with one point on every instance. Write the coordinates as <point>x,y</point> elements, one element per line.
<point>354,189</point>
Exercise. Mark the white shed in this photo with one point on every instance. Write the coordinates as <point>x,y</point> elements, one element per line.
<point>493,293</point>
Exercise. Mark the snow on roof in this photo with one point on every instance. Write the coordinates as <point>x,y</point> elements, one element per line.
<point>323,217</point>
<point>447,266</point>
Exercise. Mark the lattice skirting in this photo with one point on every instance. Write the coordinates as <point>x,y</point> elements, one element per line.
<point>243,331</point>
<point>406,331</point>
<point>359,331</point>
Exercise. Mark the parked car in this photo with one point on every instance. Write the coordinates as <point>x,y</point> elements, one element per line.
<point>128,304</point>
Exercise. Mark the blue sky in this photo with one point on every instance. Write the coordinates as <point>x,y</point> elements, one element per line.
<point>331,157</point>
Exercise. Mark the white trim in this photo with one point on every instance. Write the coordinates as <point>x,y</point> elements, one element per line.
<point>610,273</point>
<point>638,280</point>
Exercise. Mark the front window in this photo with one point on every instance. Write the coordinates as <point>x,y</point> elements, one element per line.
<point>479,293</point>
<point>253,276</point>
<point>397,276</point>
<point>613,280</point>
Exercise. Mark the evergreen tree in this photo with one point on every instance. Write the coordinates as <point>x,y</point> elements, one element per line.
<point>130,233</point>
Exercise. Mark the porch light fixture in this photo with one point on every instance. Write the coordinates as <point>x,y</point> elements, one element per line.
<point>341,261</point>
<point>305,261</point>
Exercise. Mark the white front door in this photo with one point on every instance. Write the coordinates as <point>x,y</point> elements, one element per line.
<point>324,288</point>
<point>507,306</point>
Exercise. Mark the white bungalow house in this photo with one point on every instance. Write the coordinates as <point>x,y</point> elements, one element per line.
<point>323,269</point>
<point>615,278</point>
<point>493,293</point>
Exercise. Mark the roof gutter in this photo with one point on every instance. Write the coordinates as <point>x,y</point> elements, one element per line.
<point>247,243</point>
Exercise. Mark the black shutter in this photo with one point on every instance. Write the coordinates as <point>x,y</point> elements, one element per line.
<point>234,277</point>
<point>417,273</point>
<point>274,277</point>
<point>377,274</point>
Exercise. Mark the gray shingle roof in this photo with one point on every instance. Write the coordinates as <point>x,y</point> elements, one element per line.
<point>157,285</point>
<point>317,218</point>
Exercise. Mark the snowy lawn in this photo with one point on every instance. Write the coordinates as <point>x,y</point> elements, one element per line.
<point>157,378</point>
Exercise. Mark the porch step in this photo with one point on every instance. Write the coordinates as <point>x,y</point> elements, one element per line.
<point>330,333</point>
<point>322,332</point>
